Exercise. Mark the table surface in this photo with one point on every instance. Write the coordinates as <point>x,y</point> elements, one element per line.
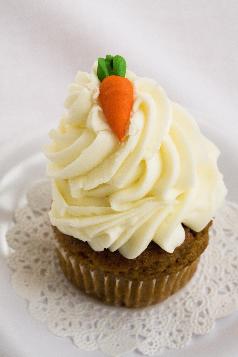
<point>189,47</point>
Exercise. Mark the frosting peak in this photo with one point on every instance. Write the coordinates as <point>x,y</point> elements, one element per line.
<point>124,195</point>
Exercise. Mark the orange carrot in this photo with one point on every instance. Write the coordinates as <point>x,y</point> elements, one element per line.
<point>116,98</point>
<point>116,95</point>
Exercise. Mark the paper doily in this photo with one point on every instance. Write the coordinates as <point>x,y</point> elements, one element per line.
<point>36,276</point>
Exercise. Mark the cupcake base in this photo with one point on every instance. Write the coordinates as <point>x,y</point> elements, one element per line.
<point>148,279</point>
<point>122,291</point>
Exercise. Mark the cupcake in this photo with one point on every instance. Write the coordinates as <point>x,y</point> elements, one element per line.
<point>135,186</point>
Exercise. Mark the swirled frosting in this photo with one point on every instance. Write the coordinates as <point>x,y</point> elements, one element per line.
<point>125,195</point>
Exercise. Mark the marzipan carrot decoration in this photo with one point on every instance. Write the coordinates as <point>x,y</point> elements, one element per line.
<point>116,93</point>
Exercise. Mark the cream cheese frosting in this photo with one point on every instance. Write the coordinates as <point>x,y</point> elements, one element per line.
<point>123,195</point>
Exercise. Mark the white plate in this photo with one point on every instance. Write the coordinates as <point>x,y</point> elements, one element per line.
<point>23,336</point>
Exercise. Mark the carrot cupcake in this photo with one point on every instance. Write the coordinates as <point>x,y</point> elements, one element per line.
<point>135,186</point>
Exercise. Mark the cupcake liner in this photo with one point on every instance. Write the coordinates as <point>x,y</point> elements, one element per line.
<point>118,290</point>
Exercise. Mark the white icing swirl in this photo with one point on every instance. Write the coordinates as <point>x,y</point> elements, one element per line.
<point>125,195</point>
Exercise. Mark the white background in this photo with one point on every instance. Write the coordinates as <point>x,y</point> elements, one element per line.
<point>190,47</point>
